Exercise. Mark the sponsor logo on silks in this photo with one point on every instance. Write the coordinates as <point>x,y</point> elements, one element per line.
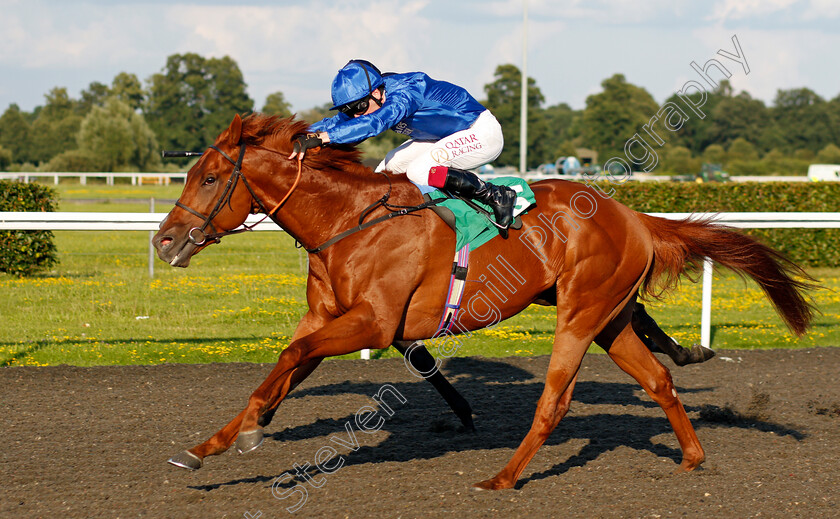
<point>463,145</point>
<point>440,155</point>
<point>402,128</point>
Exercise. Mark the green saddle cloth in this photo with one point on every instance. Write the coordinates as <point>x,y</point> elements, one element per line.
<point>473,228</point>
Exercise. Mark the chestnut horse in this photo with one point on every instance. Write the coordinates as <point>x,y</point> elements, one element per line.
<point>578,250</point>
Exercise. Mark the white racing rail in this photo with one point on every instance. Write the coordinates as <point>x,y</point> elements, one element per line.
<point>69,221</point>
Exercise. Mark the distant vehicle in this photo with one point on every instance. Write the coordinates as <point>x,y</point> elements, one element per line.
<point>819,172</point>
<point>567,165</point>
<point>708,173</point>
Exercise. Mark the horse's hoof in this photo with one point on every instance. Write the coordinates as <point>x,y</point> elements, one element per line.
<point>187,460</point>
<point>696,354</point>
<point>700,353</point>
<point>689,468</point>
<point>492,484</point>
<point>249,440</point>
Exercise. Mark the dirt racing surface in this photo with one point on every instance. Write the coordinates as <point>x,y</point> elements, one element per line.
<point>93,442</point>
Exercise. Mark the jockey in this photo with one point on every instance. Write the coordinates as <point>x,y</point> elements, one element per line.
<point>450,132</point>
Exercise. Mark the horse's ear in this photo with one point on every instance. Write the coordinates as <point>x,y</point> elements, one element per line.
<point>235,130</point>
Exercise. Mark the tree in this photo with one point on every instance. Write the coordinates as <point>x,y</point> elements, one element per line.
<point>613,116</point>
<point>741,149</point>
<point>54,130</point>
<point>796,98</point>
<point>94,95</point>
<point>119,138</point>
<point>194,99</point>
<point>738,117</point>
<point>714,154</point>
<point>696,133</point>
<point>316,113</point>
<point>111,138</point>
<point>275,104</point>
<point>14,133</point>
<point>562,124</point>
<point>127,88</point>
<point>5,158</point>
<point>804,116</point>
<point>678,159</point>
<point>774,162</point>
<point>829,155</point>
<point>504,100</point>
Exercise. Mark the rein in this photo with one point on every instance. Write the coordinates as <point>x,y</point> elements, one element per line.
<point>224,199</point>
<point>362,226</point>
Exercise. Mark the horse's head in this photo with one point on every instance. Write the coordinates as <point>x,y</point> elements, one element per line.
<point>213,201</point>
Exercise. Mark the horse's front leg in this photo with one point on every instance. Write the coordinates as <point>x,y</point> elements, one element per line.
<point>222,440</point>
<point>355,330</point>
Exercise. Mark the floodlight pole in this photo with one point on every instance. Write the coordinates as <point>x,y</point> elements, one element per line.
<point>523,116</point>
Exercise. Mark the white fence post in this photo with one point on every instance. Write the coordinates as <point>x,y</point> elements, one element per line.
<point>151,247</point>
<point>706,314</point>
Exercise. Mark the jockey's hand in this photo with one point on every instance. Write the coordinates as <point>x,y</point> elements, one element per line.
<point>305,142</point>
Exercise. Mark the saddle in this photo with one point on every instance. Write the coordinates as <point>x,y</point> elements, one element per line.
<point>473,222</point>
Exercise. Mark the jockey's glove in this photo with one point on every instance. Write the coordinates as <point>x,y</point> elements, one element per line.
<point>306,142</point>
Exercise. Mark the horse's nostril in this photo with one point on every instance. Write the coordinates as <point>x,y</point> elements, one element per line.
<point>164,242</point>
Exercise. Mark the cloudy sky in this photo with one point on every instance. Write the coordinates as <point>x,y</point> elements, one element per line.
<point>296,46</point>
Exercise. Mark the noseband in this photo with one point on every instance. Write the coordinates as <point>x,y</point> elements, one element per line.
<point>198,235</point>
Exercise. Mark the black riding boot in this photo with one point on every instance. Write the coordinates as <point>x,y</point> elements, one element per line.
<point>501,199</point>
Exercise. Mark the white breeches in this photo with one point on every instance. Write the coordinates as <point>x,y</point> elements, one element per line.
<point>477,145</point>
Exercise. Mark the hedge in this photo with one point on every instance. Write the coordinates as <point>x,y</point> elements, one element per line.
<point>808,247</point>
<point>23,253</point>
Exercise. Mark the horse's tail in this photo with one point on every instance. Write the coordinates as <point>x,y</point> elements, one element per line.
<point>681,245</point>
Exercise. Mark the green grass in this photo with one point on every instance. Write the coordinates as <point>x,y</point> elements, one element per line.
<point>240,301</point>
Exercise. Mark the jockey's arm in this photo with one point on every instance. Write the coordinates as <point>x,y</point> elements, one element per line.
<point>346,131</point>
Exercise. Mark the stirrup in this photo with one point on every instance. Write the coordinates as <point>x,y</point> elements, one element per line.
<point>503,229</point>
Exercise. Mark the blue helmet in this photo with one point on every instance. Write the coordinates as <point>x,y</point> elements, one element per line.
<point>357,79</point>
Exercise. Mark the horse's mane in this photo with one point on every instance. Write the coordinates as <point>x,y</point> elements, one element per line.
<point>278,133</point>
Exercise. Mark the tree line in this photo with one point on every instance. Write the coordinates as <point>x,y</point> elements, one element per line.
<point>124,125</point>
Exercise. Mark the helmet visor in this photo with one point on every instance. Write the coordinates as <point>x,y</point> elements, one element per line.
<point>355,108</point>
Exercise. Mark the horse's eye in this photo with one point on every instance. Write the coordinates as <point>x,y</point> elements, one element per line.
<point>209,181</point>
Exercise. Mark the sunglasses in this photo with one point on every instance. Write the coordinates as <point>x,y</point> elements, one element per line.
<point>356,107</point>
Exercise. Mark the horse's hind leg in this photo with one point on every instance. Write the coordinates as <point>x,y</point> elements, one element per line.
<point>423,362</point>
<point>552,406</point>
<point>646,327</point>
<point>627,350</point>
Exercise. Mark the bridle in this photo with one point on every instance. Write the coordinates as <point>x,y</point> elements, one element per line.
<point>236,175</point>
<point>224,199</point>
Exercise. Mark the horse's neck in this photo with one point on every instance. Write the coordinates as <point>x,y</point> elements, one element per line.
<point>324,204</point>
